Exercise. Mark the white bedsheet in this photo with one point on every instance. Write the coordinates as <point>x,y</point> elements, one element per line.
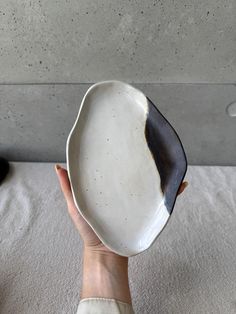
<point>191,268</point>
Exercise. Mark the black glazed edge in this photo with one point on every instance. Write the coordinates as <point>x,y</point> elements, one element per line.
<point>156,156</point>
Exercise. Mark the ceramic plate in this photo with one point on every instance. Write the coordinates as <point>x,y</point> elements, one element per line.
<point>125,165</point>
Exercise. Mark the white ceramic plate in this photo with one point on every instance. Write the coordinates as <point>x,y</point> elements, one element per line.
<point>125,164</point>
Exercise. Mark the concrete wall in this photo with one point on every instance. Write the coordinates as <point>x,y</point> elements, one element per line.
<point>35,120</point>
<point>147,43</point>
<point>136,41</point>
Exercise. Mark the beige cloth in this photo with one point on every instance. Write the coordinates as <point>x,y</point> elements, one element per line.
<point>103,306</point>
<point>189,269</point>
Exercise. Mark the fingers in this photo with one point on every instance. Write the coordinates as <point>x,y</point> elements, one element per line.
<point>66,189</point>
<point>182,187</point>
<point>64,182</point>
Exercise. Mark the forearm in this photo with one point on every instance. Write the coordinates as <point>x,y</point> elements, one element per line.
<point>105,276</point>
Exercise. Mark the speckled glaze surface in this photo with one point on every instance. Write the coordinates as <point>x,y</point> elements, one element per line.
<point>125,164</point>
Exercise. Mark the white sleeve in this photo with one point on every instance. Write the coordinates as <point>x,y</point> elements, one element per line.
<point>103,306</point>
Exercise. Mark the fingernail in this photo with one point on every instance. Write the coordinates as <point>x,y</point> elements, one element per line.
<point>57,167</point>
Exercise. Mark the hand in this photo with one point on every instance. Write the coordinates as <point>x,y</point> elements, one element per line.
<point>90,239</point>
<point>105,273</point>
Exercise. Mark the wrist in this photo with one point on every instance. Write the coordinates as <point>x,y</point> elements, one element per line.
<point>105,275</point>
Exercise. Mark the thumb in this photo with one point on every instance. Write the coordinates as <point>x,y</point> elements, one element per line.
<point>182,187</point>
